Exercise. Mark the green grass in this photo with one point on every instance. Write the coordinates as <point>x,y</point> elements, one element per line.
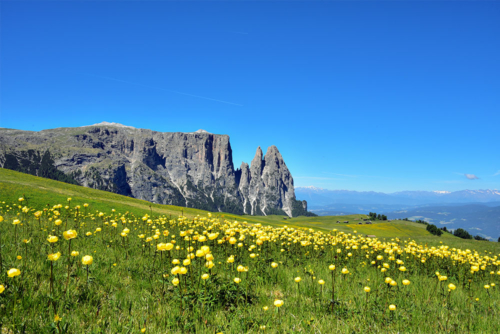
<point>129,285</point>
<point>40,191</point>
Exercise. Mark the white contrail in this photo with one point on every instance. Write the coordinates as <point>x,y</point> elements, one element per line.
<point>166,90</point>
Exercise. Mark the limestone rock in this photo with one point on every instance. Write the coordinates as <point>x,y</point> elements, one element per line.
<point>186,169</point>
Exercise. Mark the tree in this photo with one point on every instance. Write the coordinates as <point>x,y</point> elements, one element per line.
<point>461,233</point>
<point>434,230</point>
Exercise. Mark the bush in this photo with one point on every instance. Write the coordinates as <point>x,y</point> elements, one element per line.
<point>461,233</point>
<point>434,230</point>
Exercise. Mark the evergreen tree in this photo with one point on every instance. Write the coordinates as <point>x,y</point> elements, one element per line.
<point>461,233</point>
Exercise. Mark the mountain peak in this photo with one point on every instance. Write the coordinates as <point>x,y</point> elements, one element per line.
<point>110,124</point>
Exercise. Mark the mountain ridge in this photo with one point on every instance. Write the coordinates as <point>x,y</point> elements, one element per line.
<point>321,197</point>
<point>185,169</point>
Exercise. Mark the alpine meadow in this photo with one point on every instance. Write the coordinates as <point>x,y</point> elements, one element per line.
<point>234,167</point>
<point>78,260</point>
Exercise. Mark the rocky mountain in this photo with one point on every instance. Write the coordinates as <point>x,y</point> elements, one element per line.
<point>185,169</point>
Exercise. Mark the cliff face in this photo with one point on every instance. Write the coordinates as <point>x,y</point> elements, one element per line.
<point>184,169</point>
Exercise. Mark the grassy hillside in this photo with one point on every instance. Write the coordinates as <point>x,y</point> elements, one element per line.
<point>40,191</point>
<point>110,268</point>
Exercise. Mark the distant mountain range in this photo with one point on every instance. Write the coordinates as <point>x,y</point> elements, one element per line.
<point>477,211</point>
<point>477,219</point>
<point>321,197</point>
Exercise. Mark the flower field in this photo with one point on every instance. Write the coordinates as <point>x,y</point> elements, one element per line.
<point>68,268</point>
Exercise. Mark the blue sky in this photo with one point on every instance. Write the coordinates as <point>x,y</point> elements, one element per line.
<point>382,96</point>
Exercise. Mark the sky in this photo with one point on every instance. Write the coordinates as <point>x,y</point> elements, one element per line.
<point>360,95</point>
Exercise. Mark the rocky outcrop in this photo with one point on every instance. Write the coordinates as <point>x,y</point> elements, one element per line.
<point>267,186</point>
<point>184,169</point>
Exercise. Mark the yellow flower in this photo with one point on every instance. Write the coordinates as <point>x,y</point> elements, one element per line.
<point>13,272</point>
<point>69,234</point>
<point>183,271</point>
<point>57,318</point>
<point>19,257</point>
<point>345,271</point>
<point>143,330</point>
<point>175,270</point>
<point>402,268</point>
<point>406,282</point>
<point>298,279</point>
<point>205,276</point>
<point>58,222</point>
<point>367,289</point>
<point>75,253</point>
<point>274,265</point>
<point>486,286</point>
<point>278,303</point>
<point>16,221</point>
<point>2,288</point>
<point>392,307</point>
<point>321,282</point>
<point>52,239</point>
<point>451,286</point>
<point>54,256</point>
<point>265,308</point>
<point>331,267</point>
<point>237,280</point>
<point>186,262</point>
<point>87,260</point>
<point>175,281</point>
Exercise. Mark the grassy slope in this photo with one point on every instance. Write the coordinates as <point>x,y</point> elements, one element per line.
<point>125,291</point>
<point>40,191</point>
